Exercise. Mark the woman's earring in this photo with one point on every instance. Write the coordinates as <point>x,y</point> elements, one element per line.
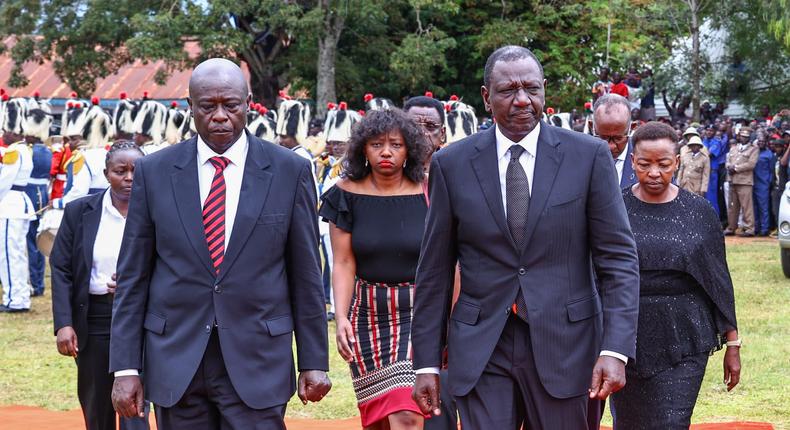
<point>366,162</point>
<point>404,164</point>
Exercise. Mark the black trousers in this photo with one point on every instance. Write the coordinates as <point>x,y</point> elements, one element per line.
<point>211,402</point>
<point>664,401</point>
<point>509,393</point>
<point>94,381</point>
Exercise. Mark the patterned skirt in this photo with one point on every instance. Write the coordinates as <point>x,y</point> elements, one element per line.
<point>381,370</point>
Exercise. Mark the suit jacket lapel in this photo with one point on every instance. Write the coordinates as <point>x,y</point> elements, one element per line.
<point>254,190</point>
<point>486,169</point>
<point>90,227</point>
<point>186,193</point>
<point>547,163</point>
<point>628,170</point>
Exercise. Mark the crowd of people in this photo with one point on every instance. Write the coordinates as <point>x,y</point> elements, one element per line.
<point>183,272</point>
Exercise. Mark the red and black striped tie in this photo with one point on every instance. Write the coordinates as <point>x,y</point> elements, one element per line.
<point>214,213</point>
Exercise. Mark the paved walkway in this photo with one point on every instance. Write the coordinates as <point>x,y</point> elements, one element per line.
<point>29,418</point>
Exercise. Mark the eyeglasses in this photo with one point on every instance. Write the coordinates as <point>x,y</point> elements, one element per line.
<point>617,139</point>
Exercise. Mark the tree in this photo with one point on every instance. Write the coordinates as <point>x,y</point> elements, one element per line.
<point>84,44</point>
<point>256,32</point>
<point>333,16</point>
<point>777,15</point>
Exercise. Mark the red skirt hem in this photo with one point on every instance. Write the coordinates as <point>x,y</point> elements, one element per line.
<point>377,409</point>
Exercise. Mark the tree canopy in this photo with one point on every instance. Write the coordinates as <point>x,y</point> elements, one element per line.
<point>392,49</point>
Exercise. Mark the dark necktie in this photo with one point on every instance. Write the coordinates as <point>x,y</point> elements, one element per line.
<point>214,213</point>
<point>517,194</point>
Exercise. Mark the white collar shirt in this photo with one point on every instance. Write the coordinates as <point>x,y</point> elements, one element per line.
<point>106,247</point>
<point>527,158</point>
<point>619,162</point>
<point>233,173</point>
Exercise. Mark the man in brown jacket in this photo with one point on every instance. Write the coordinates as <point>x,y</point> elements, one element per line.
<point>740,168</point>
<point>694,171</point>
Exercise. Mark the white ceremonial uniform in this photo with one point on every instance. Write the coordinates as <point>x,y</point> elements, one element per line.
<point>16,211</point>
<point>85,175</point>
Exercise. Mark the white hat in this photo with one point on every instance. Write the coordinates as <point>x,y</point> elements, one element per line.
<point>36,123</point>
<point>150,120</point>
<point>174,124</point>
<point>293,119</point>
<point>98,128</point>
<point>339,123</point>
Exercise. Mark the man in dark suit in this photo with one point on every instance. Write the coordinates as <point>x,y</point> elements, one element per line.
<point>612,123</point>
<point>539,215</point>
<point>218,269</point>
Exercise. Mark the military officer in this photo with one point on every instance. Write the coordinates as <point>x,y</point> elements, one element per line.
<point>694,171</point>
<point>35,125</point>
<point>740,168</point>
<point>90,130</point>
<point>16,210</point>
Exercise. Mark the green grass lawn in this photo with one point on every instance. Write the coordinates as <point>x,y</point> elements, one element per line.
<point>32,373</point>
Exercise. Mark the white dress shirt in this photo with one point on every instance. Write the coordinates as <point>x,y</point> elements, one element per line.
<point>619,162</point>
<point>234,174</point>
<point>106,247</point>
<point>527,160</point>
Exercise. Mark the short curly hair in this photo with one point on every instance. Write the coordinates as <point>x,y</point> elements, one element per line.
<point>376,123</point>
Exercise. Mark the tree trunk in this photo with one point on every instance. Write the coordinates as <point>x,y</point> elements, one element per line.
<point>264,85</point>
<point>694,5</point>
<point>333,25</point>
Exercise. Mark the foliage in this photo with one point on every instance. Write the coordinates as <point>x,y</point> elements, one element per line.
<point>394,48</point>
<point>84,41</point>
<point>777,15</point>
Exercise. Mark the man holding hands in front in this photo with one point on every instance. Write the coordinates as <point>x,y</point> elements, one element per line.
<point>531,212</point>
<point>218,269</point>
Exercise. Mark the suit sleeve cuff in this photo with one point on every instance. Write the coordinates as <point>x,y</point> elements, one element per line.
<point>127,372</point>
<point>616,355</point>
<point>427,370</point>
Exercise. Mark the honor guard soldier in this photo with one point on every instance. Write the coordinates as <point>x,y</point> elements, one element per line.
<point>35,125</point>
<point>90,128</point>
<point>16,209</point>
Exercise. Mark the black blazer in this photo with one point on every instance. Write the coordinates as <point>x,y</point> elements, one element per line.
<point>576,226</point>
<point>269,285</point>
<point>70,264</point>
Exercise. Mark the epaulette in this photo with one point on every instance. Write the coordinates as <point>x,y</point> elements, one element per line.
<point>336,169</point>
<point>76,161</point>
<point>11,155</point>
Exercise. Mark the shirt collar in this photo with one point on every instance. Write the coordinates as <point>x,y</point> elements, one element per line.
<point>236,152</point>
<point>528,142</point>
<point>108,208</point>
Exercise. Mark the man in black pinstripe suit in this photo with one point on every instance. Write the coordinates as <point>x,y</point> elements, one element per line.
<point>531,337</point>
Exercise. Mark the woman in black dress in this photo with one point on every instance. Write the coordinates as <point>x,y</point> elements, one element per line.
<point>686,301</point>
<point>377,216</point>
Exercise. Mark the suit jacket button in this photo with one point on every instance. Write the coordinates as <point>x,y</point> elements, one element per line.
<point>208,328</point>
<point>522,271</point>
<point>217,289</point>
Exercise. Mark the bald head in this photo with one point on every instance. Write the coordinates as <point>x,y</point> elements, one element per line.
<point>217,72</point>
<point>218,97</point>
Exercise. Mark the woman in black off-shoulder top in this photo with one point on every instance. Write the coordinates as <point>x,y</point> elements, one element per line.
<point>686,302</point>
<point>377,216</point>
